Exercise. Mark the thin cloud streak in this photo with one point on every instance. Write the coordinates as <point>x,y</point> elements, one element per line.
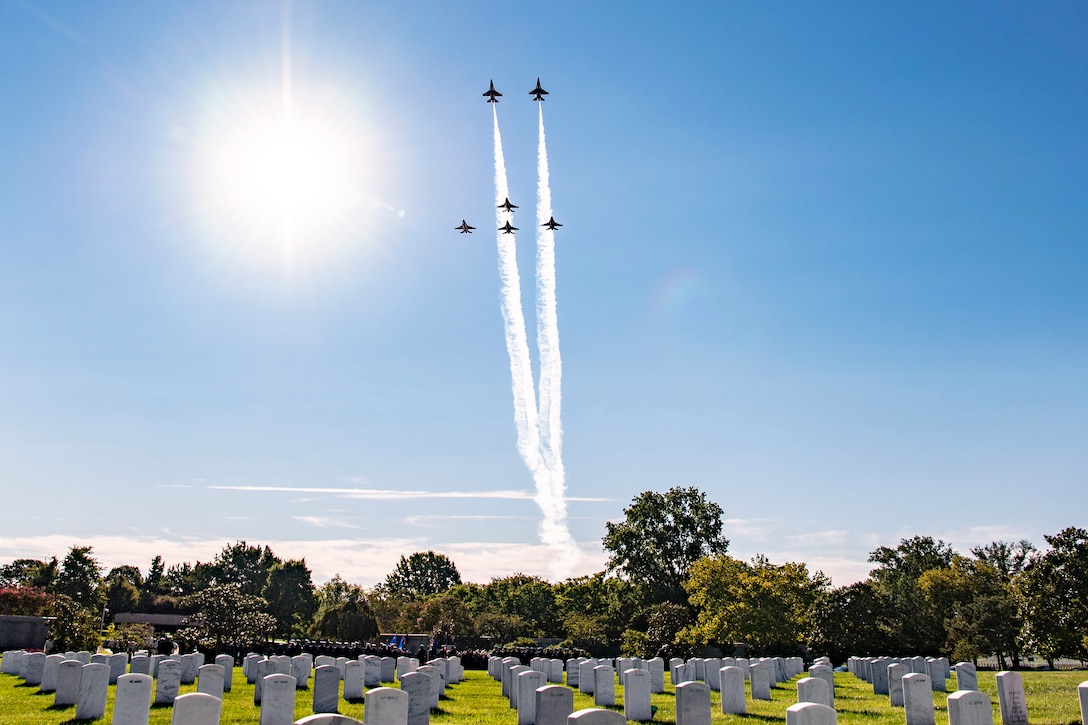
<point>378,494</point>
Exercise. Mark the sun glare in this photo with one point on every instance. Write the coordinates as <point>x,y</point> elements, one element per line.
<point>281,181</point>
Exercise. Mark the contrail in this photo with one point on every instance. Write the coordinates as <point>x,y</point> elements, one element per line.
<point>521,371</point>
<point>542,457</point>
<point>551,367</point>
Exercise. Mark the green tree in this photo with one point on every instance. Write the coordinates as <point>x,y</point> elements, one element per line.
<point>501,628</point>
<point>445,617</point>
<point>80,579</point>
<point>223,613</point>
<point>914,624</point>
<point>25,601</point>
<point>529,598</point>
<point>30,572</point>
<point>344,613</point>
<point>762,604</point>
<point>74,628</point>
<point>421,575</point>
<point>849,620</point>
<point>123,585</point>
<point>1054,588</point>
<point>664,622</point>
<point>244,565</point>
<point>290,596</point>
<point>661,537</point>
<point>615,603</point>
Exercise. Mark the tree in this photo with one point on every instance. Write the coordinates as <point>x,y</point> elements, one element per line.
<point>75,628</point>
<point>80,579</point>
<point>762,604</point>
<point>445,617</point>
<point>661,537</point>
<point>290,596</point>
<point>29,572</point>
<point>664,622</point>
<point>914,624</point>
<point>224,613</point>
<point>244,565</point>
<point>26,601</point>
<point>1054,587</point>
<point>529,598</point>
<point>421,575</point>
<point>122,589</point>
<point>849,620</point>
<point>615,603</point>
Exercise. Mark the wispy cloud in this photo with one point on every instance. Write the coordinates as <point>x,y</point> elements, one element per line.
<point>385,494</point>
<point>820,538</point>
<point>324,522</point>
<point>430,520</point>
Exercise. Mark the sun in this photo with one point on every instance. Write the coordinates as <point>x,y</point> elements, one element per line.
<point>283,179</point>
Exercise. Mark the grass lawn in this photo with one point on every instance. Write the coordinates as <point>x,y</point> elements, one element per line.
<point>1051,696</point>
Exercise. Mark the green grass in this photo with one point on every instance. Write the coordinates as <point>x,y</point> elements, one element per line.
<point>1051,696</point>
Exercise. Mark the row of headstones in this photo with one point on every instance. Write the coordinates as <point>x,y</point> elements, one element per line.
<point>540,703</point>
<point>912,690</point>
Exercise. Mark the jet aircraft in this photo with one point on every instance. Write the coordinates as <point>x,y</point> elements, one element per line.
<point>506,205</point>
<point>538,92</point>
<point>492,94</point>
<point>464,227</point>
<point>507,228</point>
<point>551,224</point>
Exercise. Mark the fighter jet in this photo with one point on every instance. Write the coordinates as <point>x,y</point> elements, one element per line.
<point>551,224</point>
<point>538,92</point>
<point>507,228</point>
<point>492,94</point>
<point>506,205</point>
<point>464,227</point>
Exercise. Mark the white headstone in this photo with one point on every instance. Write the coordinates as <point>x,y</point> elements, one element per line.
<point>329,718</point>
<point>437,686</point>
<point>227,663</point>
<point>35,668</point>
<point>596,716</point>
<point>732,684</point>
<point>168,682</point>
<point>327,688</point>
<point>760,674</point>
<point>132,700</point>
<point>554,704</point>
<point>265,668</point>
<point>49,673</point>
<point>711,677</point>
<point>896,673</point>
<point>372,675</point>
<point>140,665</point>
<point>810,713</point>
<point>189,666</point>
<point>692,704</point>
<point>1010,697</point>
<point>585,676</point>
<point>636,695</point>
<point>402,666</point>
<point>918,699</point>
<point>826,674</point>
<point>966,676</point>
<point>301,667</point>
<point>879,676</point>
<point>69,674</point>
<point>197,708</point>
<point>389,669</point>
<point>573,670</point>
<point>970,707</point>
<point>604,686</point>
<point>94,685</point>
<point>526,686</point>
<point>278,700</point>
<point>209,680</point>
<point>555,671</point>
<point>354,687</point>
<point>386,706</point>
<point>1082,690</point>
<point>656,668</point>
<point>418,686</point>
<point>813,689</point>
<point>118,664</point>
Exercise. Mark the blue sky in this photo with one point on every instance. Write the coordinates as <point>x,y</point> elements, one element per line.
<point>824,261</point>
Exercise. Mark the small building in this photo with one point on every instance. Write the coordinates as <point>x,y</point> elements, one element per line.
<point>19,632</point>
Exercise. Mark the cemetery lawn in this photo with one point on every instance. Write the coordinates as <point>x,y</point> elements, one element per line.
<point>1051,698</point>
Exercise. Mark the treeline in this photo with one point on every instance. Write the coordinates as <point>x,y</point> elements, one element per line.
<point>670,586</point>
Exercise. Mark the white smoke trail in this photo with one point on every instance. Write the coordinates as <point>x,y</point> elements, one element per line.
<point>551,369</point>
<point>543,458</point>
<point>521,372</point>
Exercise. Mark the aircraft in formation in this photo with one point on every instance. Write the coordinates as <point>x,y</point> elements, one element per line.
<point>464,227</point>
<point>551,224</point>
<point>538,92</point>
<point>508,228</point>
<point>507,206</point>
<point>492,94</point>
